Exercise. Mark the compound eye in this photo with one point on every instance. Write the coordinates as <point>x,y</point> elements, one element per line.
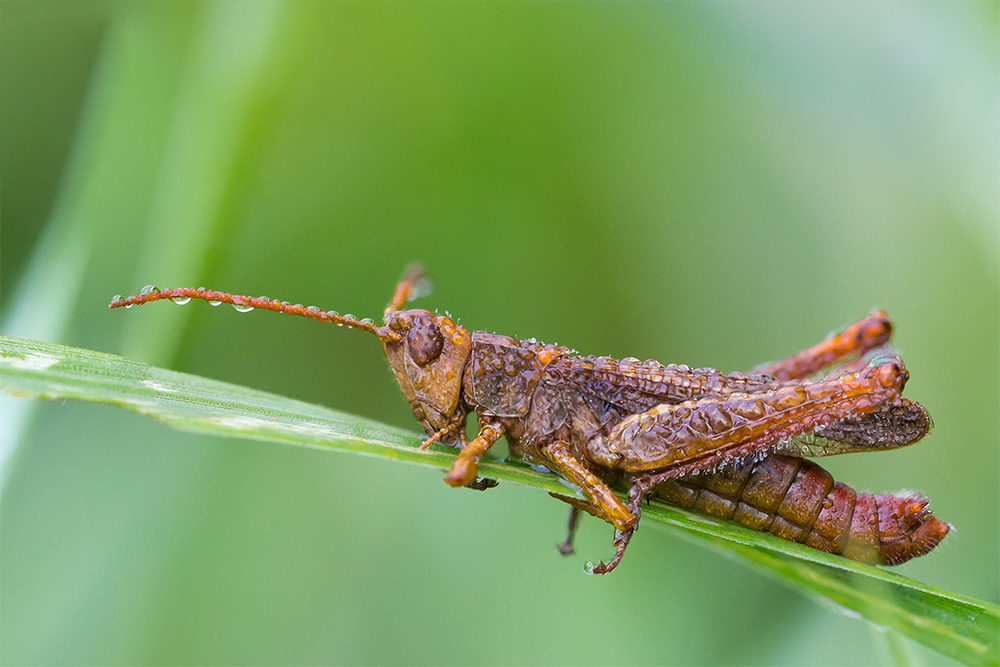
<point>425,342</point>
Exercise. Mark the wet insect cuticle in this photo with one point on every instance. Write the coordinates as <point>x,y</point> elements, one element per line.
<point>728,445</point>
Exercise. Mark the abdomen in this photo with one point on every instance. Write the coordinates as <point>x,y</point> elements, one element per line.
<point>797,500</point>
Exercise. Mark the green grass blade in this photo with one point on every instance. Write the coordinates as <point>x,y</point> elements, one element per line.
<point>962,628</point>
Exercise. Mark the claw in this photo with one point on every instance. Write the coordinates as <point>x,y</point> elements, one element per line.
<point>621,541</point>
<point>622,538</point>
<point>482,483</point>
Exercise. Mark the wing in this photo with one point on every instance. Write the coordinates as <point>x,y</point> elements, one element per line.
<point>891,425</point>
<point>699,435</point>
<point>634,386</point>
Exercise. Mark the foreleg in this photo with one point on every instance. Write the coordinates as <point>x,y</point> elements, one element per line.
<point>465,468</point>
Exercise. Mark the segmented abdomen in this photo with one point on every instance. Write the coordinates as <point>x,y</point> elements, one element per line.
<point>797,500</point>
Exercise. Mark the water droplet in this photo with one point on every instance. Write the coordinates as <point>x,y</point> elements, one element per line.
<point>263,298</point>
<point>368,321</point>
<point>313,308</point>
<point>333,313</point>
<point>214,303</point>
<point>242,309</point>
<point>349,316</point>
<point>116,298</point>
<point>646,422</point>
<point>129,306</point>
<point>148,289</point>
<point>181,300</point>
<point>588,568</point>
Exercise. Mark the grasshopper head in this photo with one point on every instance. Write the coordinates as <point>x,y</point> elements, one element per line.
<point>427,352</point>
<point>428,361</point>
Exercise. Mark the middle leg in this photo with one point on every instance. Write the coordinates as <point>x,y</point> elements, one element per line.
<point>604,502</point>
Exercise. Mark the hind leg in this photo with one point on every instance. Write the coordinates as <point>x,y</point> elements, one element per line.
<point>864,335</point>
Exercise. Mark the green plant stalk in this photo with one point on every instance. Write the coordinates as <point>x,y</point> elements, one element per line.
<point>962,628</point>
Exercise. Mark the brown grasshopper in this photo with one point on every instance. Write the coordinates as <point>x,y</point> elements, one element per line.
<point>730,445</point>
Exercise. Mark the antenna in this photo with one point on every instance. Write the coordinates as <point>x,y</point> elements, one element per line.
<point>245,304</point>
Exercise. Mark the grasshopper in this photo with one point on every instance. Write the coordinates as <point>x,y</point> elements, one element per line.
<point>730,444</point>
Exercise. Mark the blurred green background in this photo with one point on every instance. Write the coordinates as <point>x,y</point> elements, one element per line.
<point>709,183</point>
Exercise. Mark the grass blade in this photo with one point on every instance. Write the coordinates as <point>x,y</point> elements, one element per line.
<point>962,628</point>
